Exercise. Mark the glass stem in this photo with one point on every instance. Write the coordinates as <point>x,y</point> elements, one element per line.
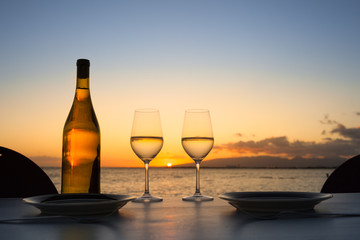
<point>197,163</point>
<point>146,178</point>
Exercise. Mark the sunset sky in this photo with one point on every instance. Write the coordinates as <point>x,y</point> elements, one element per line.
<point>280,77</point>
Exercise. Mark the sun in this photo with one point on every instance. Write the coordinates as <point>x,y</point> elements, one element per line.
<point>169,165</point>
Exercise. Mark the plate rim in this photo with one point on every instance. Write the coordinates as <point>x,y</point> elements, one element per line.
<point>114,203</point>
<point>298,203</point>
<point>315,196</point>
<point>40,199</point>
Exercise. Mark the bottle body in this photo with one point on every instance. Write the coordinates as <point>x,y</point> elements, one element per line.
<point>81,140</point>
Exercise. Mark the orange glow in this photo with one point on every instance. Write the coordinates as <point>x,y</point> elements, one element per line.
<point>82,94</point>
<point>169,165</point>
<point>81,145</point>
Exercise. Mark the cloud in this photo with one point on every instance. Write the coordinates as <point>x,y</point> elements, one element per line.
<point>350,133</point>
<point>346,144</point>
<point>328,121</point>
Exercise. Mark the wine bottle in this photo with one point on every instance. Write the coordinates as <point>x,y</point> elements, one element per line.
<point>81,140</point>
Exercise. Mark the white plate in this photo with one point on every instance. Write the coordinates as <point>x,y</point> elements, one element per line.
<point>274,201</point>
<point>78,204</point>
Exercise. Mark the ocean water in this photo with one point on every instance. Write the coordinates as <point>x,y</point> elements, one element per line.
<point>179,182</point>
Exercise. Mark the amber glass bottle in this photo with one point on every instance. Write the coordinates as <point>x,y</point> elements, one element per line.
<point>81,140</point>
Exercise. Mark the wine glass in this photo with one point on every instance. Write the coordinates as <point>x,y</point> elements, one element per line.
<point>197,140</point>
<point>146,142</point>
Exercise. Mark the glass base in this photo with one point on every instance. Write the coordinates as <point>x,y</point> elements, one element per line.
<point>147,198</point>
<point>197,197</point>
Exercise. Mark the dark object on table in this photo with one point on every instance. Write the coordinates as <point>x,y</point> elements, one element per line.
<point>21,177</point>
<point>345,178</point>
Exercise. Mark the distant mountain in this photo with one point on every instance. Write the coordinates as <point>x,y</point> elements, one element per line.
<point>46,161</point>
<point>270,162</point>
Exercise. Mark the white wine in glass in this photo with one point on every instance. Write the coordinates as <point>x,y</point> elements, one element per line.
<point>146,141</point>
<point>197,141</point>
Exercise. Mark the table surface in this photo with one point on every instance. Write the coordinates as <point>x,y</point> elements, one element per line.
<point>176,219</point>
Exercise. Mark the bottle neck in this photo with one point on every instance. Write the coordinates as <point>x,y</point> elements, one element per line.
<point>82,93</point>
<point>82,81</point>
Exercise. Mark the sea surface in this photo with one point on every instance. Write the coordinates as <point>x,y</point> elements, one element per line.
<point>180,182</point>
